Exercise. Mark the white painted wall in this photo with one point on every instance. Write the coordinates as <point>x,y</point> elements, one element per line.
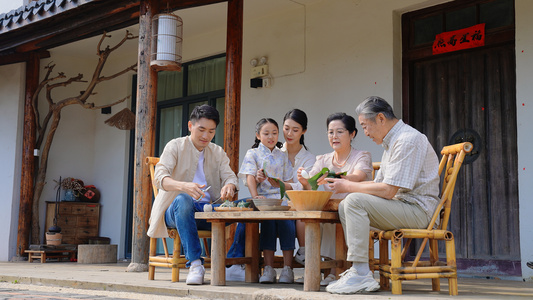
<point>11,121</point>
<point>524,106</point>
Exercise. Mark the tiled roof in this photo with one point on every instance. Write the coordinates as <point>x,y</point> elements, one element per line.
<point>35,11</point>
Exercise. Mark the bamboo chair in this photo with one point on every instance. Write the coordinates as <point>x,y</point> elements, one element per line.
<point>176,261</point>
<point>374,235</point>
<point>397,269</point>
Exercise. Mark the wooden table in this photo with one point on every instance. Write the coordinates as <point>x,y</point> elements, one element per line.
<point>313,263</point>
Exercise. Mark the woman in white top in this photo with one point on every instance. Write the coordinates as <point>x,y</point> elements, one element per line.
<point>294,128</point>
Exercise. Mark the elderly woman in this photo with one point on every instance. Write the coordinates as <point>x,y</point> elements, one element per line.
<point>344,158</point>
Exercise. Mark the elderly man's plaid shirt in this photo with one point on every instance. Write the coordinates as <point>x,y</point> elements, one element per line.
<point>409,162</point>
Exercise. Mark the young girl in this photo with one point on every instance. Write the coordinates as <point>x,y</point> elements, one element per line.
<point>266,157</point>
<point>294,128</point>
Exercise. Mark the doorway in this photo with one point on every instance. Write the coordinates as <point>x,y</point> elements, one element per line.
<point>470,95</point>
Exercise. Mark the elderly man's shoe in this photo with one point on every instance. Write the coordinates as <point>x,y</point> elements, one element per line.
<point>352,283</point>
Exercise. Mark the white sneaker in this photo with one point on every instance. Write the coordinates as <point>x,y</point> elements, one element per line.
<point>196,275</point>
<point>269,275</point>
<point>235,273</point>
<point>330,278</point>
<point>300,280</point>
<point>300,256</point>
<point>352,283</point>
<point>287,275</point>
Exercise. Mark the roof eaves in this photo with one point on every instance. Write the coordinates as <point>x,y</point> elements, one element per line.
<point>34,12</point>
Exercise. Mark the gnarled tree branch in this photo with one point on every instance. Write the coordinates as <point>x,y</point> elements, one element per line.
<point>108,105</point>
<point>47,133</point>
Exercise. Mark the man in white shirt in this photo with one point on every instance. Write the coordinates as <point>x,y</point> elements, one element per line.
<point>188,165</point>
<point>404,193</point>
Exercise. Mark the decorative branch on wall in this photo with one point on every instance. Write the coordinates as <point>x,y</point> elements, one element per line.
<point>46,127</point>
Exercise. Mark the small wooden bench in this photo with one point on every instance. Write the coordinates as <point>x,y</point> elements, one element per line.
<point>50,253</point>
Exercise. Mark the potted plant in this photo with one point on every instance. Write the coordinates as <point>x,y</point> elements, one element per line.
<point>73,188</point>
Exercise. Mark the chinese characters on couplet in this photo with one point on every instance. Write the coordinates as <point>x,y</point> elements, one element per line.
<point>465,38</point>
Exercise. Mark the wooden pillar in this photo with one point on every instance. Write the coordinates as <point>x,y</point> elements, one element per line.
<point>232,119</point>
<point>28,162</point>
<point>144,138</point>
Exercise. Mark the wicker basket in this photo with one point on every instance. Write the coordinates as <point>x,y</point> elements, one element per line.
<point>309,200</point>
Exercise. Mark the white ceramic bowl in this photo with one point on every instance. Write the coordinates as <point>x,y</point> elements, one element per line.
<point>267,202</point>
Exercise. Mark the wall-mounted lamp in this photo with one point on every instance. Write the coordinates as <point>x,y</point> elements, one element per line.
<point>167,38</point>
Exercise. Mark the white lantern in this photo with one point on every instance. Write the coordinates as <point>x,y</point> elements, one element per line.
<point>167,33</point>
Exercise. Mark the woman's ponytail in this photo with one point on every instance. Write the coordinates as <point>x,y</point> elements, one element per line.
<point>302,141</point>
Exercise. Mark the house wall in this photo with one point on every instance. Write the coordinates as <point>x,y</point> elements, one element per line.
<point>321,72</point>
<point>11,122</point>
<point>323,58</point>
<point>334,72</point>
<point>524,105</point>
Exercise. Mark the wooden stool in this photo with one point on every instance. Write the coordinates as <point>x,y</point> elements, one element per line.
<point>49,253</point>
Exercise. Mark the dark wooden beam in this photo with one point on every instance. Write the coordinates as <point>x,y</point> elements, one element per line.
<point>182,4</point>
<point>28,161</point>
<point>232,119</point>
<point>85,21</point>
<point>14,58</point>
<point>144,138</point>
<point>84,30</point>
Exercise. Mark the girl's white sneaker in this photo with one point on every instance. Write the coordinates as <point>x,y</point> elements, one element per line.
<point>330,278</point>
<point>287,275</point>
<point>269,275</point>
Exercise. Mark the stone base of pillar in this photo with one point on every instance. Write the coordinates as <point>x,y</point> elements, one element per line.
<point>137,267</point>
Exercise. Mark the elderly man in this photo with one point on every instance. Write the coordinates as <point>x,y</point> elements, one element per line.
<point>404,193</point>
<point>188,165</point>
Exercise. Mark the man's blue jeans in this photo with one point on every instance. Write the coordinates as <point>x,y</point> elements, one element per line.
<point>180,215</point>
<point>239,242</point>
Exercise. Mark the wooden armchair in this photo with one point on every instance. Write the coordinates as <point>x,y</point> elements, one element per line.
<point>397,269</point>
<point>176,261</point>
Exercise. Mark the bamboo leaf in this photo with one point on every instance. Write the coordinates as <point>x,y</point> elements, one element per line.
<point>281,187</point>
<point>313,180</point>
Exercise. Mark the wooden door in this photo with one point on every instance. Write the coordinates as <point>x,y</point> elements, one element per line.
<point>474,92</point>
